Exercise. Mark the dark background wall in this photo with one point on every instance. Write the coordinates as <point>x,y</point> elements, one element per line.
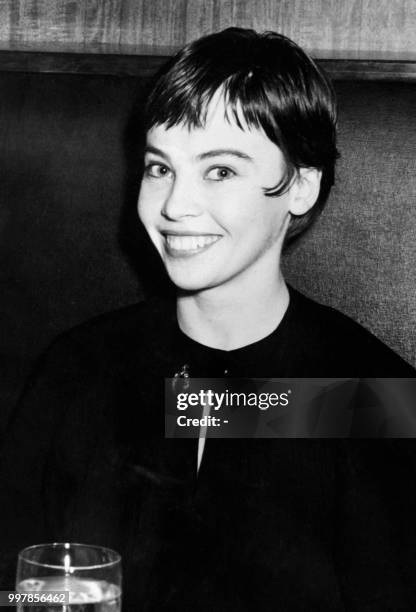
<point>64,183</point>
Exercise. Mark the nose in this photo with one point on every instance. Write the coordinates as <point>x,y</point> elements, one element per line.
<point>182,200</point>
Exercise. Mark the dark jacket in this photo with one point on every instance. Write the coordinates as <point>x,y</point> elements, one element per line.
<point>266,524</point>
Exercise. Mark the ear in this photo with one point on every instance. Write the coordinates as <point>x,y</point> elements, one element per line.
<point>305,190</point>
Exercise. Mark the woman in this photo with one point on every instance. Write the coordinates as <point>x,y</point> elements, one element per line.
<point>239,161</point>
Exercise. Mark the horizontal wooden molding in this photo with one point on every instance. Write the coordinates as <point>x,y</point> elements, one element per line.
<point>144,64</point>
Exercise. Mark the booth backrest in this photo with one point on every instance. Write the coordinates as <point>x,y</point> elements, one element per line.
<point>68,229</point>
<point>360,257</point>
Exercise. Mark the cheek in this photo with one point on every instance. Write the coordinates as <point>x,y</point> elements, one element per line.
<point>146,206</point>
<point>261,222</point>
<point>250,211</point>
<point>151,200</point>
<point>236,205</point>
<point>141,211</point>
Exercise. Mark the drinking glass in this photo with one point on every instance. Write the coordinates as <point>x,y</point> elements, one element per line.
<point>91,574</point>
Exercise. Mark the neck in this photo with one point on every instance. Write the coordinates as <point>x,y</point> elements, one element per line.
<point>225,319</point>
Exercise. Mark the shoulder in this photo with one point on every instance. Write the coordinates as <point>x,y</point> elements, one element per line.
<point>86,370</point>
<point>343,343</point>
<point>119,330</point>
<point>92,353</point>
<point>325,319</point>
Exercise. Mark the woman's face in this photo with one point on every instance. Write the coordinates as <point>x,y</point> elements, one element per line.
<point>202,202</point>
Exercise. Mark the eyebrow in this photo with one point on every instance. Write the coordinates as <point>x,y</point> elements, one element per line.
<point>155,150</point>
<point>206,154</point>
<point>231,152</point>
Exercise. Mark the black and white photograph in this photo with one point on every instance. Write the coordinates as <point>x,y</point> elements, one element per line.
<point>208,305</point>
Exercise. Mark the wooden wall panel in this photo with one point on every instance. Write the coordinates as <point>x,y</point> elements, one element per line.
<point>321,25</point>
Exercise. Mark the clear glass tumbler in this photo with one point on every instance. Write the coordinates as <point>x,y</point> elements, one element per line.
<point>91,574</point>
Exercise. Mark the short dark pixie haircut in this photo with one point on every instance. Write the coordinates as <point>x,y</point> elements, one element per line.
<point>273,84</point>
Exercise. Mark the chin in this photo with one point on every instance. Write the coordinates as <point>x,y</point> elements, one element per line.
<point>190,283</point>
<point>188,286</point>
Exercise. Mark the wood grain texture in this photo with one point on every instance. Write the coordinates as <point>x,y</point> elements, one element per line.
<point>366,26</point>
<point>146,64</point>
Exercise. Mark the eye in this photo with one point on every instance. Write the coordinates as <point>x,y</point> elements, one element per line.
<point>156,170</point>
<point>219,173</point>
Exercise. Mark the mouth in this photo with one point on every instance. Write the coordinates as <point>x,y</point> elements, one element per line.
<point>184,245</point>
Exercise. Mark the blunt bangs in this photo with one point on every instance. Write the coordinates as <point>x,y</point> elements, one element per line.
<point>184,99</point>
<point>268,83</point>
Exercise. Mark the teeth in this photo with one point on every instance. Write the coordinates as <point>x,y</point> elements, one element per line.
<point>189,243</point>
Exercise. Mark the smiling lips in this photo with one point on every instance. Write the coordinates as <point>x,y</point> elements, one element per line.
<point>179,245</point>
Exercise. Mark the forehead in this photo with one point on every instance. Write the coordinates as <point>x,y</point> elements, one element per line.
<point>219,132</point>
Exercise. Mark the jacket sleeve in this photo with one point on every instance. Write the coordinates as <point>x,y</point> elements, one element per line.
<point>28,453</point>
